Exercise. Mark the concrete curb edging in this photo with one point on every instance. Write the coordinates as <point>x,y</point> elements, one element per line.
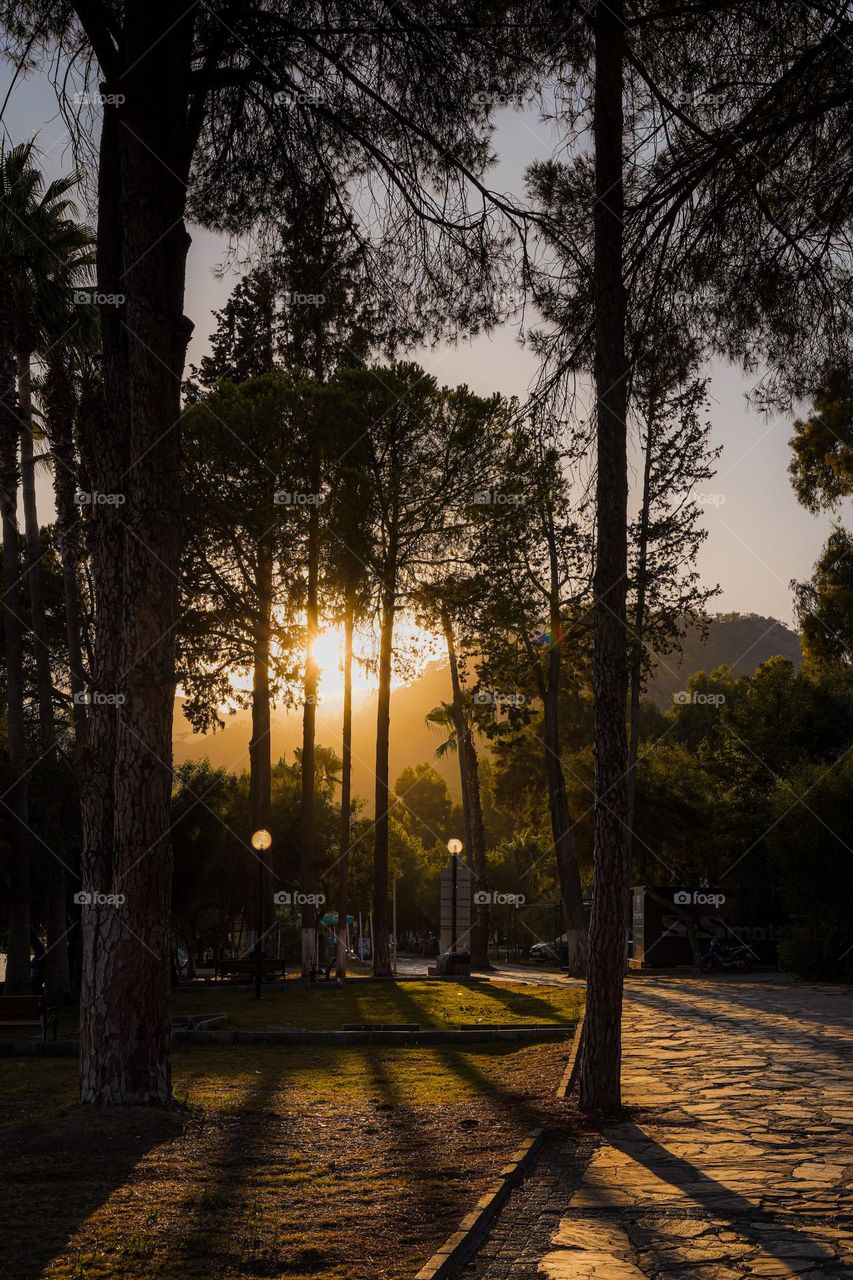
<point>564,1088</point>
<point>459,1247</point>
<point>517,1034</point>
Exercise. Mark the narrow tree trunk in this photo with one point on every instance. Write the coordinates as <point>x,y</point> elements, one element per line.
<point>565,852</point>
<point>69,477</point>
<point>35,578</point>
<point>637,641</point>
<point>457,712</point>
<point>260,762</point>
<point>480,948</point>
<point>309,723</point>
<point>600,1061</point>
<point>60,404</point>
<point>15,804</point>
<point>380,940</point>
<point>346,786</point>
<point>469,779</point>
<point>142,250</point>
<point>57,982</point>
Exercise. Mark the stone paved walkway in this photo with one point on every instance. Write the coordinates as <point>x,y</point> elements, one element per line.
<point>737,1160</point>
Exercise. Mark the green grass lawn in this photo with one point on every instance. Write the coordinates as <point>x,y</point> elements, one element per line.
<point>282,1161</point>
<point>432,1004</point>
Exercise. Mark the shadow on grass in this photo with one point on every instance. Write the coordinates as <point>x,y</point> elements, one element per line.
<point>521,1003</point>
<point>440,1184</point>
<point>462,1063</point>
<point>250,1185</point>
<point>275,1188</point>
<point>57,1172</point>
<point>224,1218</point>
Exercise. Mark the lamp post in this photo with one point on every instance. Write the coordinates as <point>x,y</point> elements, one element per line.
<point>261,841</point>
<point>454,848</point>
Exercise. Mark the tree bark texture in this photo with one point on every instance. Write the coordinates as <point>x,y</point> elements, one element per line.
<point>134,457</point>
<point>600,1063</point>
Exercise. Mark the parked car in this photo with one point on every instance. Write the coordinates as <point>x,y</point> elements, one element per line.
<point>556,952</point>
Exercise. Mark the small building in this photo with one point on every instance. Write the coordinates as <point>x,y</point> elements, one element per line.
<point>662,916</point>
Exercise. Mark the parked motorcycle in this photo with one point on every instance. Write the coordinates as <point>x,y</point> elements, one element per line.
<point>722,955</point>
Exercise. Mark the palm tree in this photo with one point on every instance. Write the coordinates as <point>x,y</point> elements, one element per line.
<point>45,321</point>
<point>43,252</point>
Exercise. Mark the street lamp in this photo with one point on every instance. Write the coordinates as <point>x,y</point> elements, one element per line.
<point>454,848</point>
<point>261,841</point>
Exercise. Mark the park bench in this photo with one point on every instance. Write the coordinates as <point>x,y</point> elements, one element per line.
<point>324,969</point>
<point>249,966</point>
<point>28,1011</point>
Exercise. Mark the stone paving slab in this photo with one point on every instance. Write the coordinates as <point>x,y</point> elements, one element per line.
<point>737,1160</point>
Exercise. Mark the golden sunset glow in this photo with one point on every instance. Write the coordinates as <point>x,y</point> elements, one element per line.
<point>412,643</point>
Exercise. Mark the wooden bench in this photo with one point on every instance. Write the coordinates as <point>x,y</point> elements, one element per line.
<point>249,966</point>
<point>28,1011</point>
<point>324,969</point>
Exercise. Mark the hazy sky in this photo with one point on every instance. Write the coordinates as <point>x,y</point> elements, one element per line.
<point>759,538</point>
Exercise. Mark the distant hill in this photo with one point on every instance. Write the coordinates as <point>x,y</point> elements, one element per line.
<point>743,641</point>
<point>740,640</point>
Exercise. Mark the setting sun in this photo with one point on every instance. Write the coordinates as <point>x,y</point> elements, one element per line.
<point>414,647</point>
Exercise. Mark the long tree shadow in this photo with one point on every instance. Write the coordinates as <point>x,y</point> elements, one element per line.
<point>758,1226</point>
<point>59,1171</point>
<point>785,1000</point>
<point>440,1185</point>
<point>272,1149</point>
<point>462,1063</point>
<point>242,1152</point>
<point>777,1000</point>
<point>667,1003</point>
<point>516,1003</point>
<point>221,1175</point>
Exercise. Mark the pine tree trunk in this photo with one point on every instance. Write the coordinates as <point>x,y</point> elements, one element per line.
<point>260,762</point>
<point>57,982</point>
<point>35,580</point>
<point>480,947</point>
<point>59,421</point>
<point>15,804</point>
<point>380,940</point>
<point>458,714</point>
<point>142,250</point>
<point>309,723</point>
<point>565,852</point>
<point>469,779</point>
<point>346,787</point>
<point>638,636</point>
<point>600,1058</point>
